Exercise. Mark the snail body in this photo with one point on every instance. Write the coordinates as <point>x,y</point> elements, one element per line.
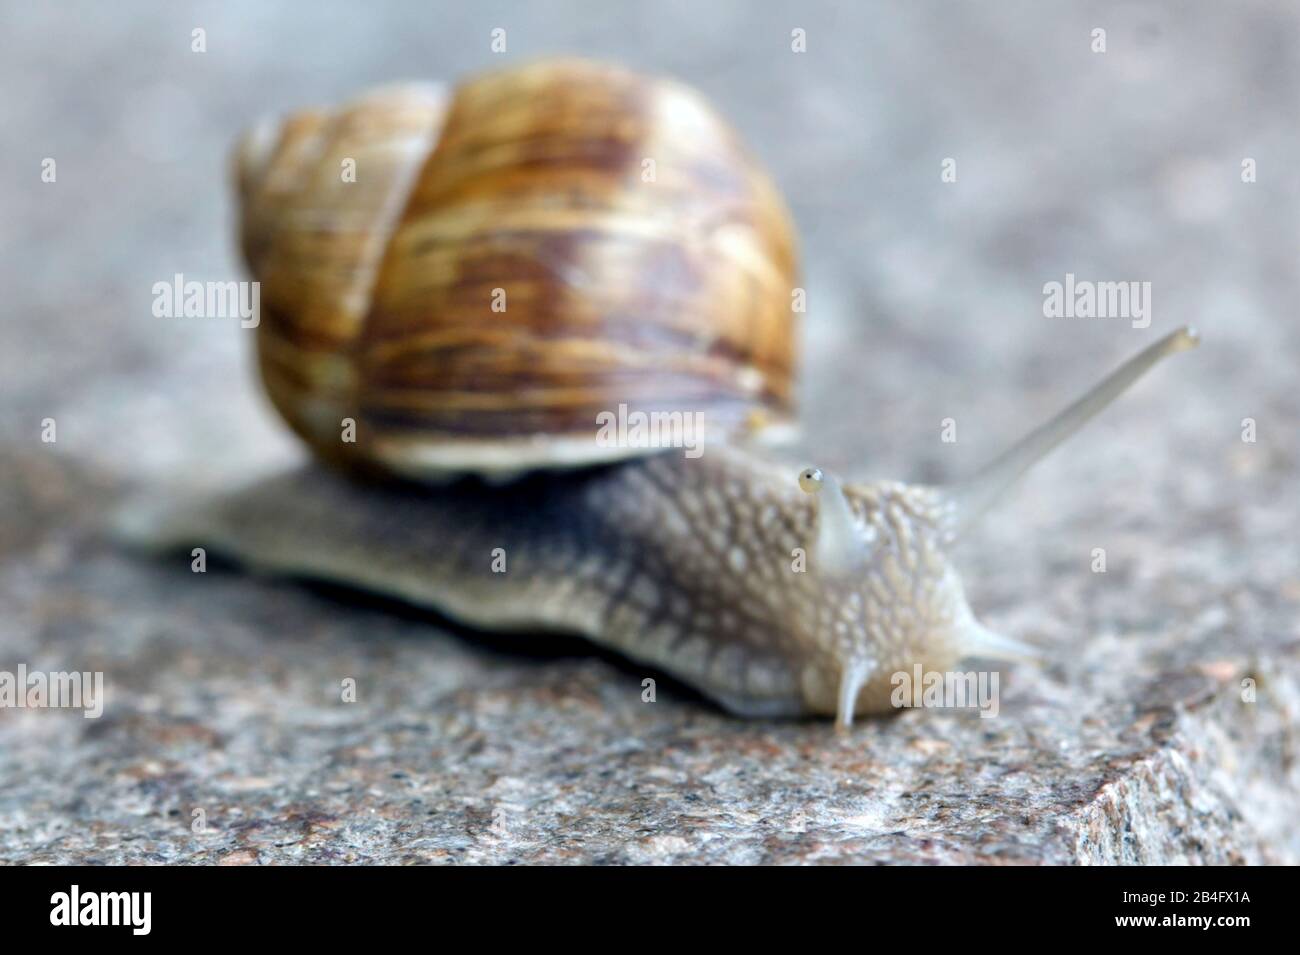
<point>687,566</point>
<point>774,591</point>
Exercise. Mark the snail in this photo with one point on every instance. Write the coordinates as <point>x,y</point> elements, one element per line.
<point>510,262</point>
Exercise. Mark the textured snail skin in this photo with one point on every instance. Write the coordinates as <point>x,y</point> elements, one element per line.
<point>686,565</point>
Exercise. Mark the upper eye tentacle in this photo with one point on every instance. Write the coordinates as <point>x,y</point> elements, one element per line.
<point>838,546</point>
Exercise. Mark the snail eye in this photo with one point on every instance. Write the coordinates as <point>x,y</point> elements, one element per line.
<point>810,480</point>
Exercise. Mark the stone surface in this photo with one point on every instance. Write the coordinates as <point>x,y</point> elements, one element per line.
<point>1131,743</point>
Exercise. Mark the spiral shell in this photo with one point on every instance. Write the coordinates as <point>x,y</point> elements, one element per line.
<point>512,259</point>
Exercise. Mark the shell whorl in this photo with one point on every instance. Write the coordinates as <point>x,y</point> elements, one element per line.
<point>514,257</point>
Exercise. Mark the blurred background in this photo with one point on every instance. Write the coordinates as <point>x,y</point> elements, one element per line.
<point>925,302</point>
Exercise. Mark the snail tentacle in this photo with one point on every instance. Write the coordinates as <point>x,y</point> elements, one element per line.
<point>852,679</point>
<point>976,495</point>
<point>838,548</point>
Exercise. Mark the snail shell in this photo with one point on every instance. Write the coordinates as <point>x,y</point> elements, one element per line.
<point>515,257</point>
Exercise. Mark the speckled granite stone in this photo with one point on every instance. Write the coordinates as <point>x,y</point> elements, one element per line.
<point>1130,743</point>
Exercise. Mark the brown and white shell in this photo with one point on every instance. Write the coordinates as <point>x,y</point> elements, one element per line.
<point>510,259</point>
